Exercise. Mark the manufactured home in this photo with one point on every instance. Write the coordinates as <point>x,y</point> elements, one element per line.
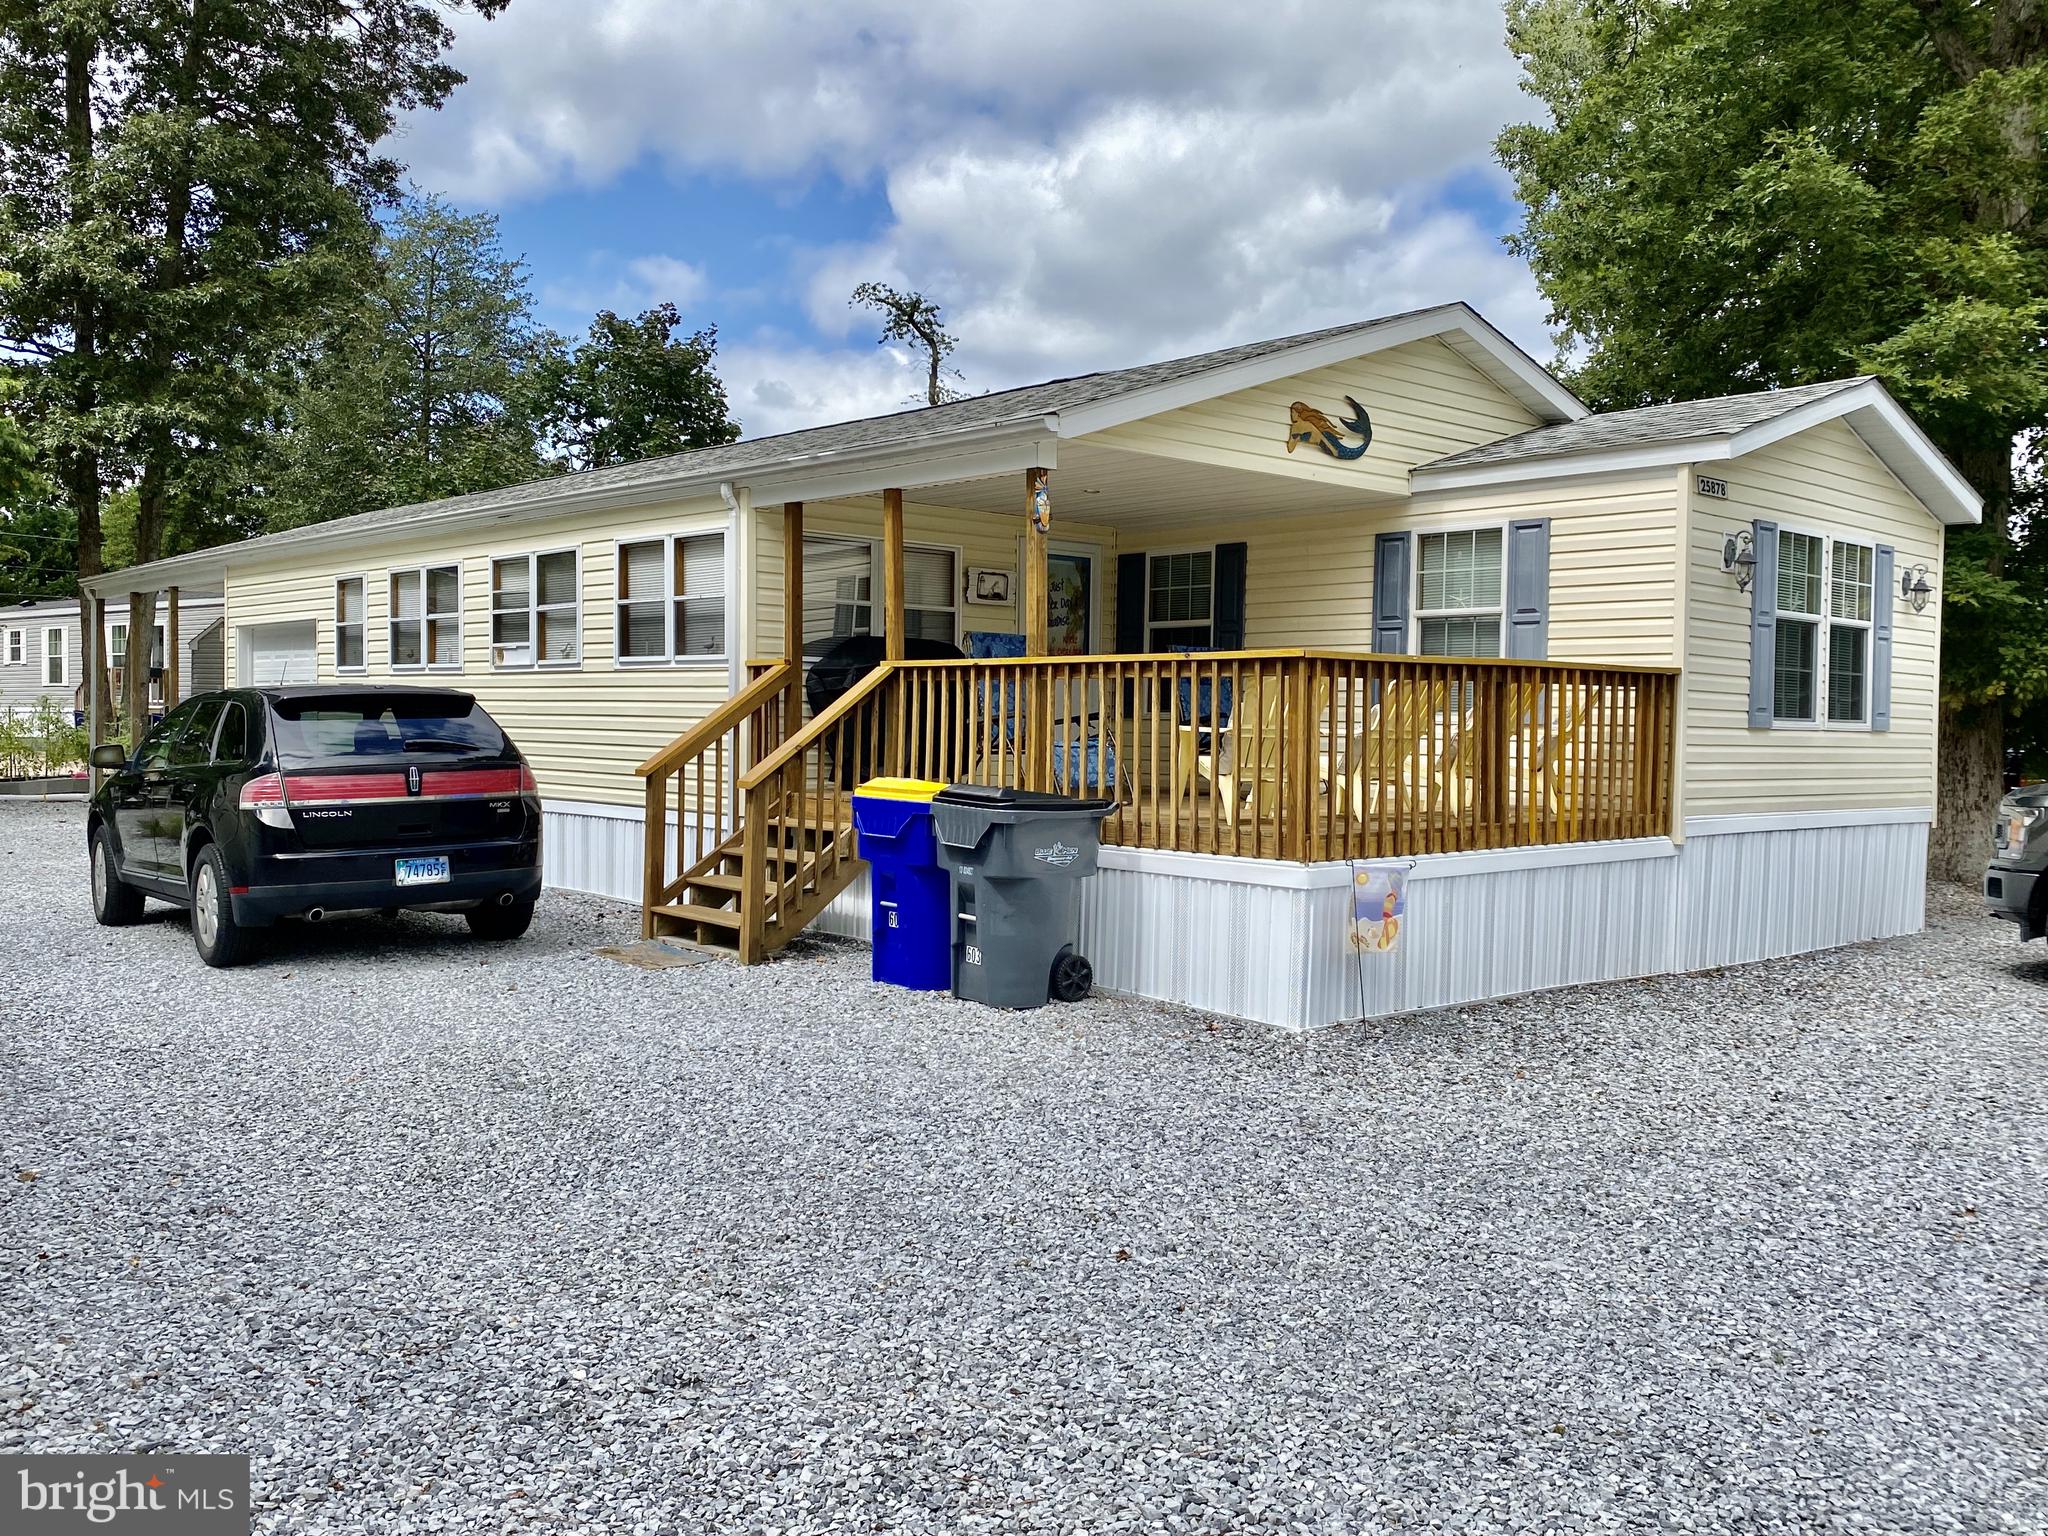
<point>42,656</point>
<point>1620,693</point>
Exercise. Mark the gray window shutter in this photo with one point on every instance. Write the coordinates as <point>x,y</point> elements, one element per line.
<point>1884,602</point>
<point>1391,553</point>
<point>1528,637</point>
<point>1763,624</point>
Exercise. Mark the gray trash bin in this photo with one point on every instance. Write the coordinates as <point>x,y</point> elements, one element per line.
<point>1016,858</point>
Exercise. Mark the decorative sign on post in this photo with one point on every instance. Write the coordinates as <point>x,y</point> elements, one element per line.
<point>1707,485</point>
<point>1306,424</point>
<point>1379,903</point>
<point>1041,500</point>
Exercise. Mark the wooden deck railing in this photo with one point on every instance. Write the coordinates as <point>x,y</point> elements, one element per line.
<point>1292,754</point>
<point>1306,755</point>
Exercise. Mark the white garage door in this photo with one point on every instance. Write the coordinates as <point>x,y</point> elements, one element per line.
<point>275,654</point>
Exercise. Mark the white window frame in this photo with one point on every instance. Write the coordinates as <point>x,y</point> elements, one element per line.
<point>61,654</point>
<point>535,607</point>
<point>1817,620</point>
<point>427,616</point>
<point>1824,684</point>
<point>958,552</point>
<point>1167,554</point>
<point>1417,613</point>
<point>1824,624</point>
<point>670,597</point>
<point>17,647</point>
<point>364,578</point>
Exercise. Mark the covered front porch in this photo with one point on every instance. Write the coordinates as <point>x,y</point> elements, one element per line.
<point>1299,754</point>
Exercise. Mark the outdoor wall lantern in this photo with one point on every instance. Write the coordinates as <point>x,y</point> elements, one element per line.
<point>1915,588</point>
<point>1737,555</point>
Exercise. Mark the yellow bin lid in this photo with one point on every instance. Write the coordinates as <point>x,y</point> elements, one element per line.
<point>900,789</point>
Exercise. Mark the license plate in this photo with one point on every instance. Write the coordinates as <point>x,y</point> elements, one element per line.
<point>422,871</point>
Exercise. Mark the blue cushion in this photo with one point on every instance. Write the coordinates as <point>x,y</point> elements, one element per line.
<point>1183,703</point>
<point>1085,767</point>
<point>993,645</point>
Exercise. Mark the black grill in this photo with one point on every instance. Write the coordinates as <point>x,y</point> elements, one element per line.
<point>844,663</point>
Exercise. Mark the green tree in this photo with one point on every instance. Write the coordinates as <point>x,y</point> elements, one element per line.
<point>435,387</point>
<point>913,319</point>
<point>184,191</point>
<point>38,533</point>
<point>632,389</point>
<point>1735,194</point>
<point>38,548</point>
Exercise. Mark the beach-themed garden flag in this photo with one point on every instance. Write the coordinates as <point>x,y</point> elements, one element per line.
<point>1379,901</point>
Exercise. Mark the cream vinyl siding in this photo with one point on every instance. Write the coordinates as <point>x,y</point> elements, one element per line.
<point>981,539</point>
<point>582,728</point>
<point>1613,564</point>
<point>1424,399</point>
<point>1823,481</point>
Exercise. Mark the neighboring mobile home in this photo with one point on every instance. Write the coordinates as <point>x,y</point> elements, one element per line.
<point>1633,692</point>
<point>41,657</point>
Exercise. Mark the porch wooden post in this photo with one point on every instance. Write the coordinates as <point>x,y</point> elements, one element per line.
<point>892,574</point>
<point>171,677</point>
<point>1035,643</point>
<point>793,615</point>
<point>91,640</point>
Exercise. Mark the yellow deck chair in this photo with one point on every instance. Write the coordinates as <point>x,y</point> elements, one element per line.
<point>1380,761</point>
<point>1246,764</point>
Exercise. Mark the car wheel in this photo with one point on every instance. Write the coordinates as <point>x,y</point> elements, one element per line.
<point>492,921</point>
<point>220,940</point>
<point>114,902</point>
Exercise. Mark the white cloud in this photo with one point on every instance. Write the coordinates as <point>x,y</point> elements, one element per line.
<point>667,279</point>
<point>777,384</point>
<point>1080,184</point>
<point>628,286</point>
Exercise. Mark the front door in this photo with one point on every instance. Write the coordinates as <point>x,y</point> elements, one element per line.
<point>1070,600</point>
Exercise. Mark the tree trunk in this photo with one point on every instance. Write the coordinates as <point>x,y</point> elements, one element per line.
<point>81,469</point>
<point>1970,760</point>
<point>135,665</point>
<point>1970,770</point>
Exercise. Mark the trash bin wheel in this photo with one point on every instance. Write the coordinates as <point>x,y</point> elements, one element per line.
<point>1073,978</point>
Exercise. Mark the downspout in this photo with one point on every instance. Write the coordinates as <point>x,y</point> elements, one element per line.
<point>739,566</point>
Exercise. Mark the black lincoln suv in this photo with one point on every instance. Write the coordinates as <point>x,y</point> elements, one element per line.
<point>264,803</point>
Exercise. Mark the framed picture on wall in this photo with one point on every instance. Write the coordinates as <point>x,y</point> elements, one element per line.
<point>988,585</point>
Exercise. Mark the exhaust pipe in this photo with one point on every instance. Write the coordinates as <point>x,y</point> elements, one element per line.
<point>504,898</point>
<point>315,914</point>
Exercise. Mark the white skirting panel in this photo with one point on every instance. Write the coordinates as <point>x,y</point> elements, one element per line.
<point>593,847</point>
<point>1270,941</point>
<point>1757,895</point>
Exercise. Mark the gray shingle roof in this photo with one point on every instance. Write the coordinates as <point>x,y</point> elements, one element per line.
<point>1722,416</point>
<point>901,428</point>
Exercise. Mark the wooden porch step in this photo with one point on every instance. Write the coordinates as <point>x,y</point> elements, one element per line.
<point>711,917</point>
<point>725,885</point>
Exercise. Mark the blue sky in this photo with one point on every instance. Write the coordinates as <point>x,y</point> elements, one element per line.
<point>1079,185</point>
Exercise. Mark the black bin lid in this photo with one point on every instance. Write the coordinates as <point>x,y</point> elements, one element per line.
<point>1006,797</point>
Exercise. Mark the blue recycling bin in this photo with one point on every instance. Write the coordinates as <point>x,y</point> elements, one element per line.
<point>910,890</point>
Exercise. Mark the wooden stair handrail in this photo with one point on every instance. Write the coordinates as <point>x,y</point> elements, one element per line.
<point>800,741</point>
<point>727,717</point>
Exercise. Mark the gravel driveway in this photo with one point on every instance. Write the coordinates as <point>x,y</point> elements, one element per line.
<point>467,1238</point>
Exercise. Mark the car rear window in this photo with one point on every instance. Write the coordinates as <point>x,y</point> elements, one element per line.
<point>373,725</point>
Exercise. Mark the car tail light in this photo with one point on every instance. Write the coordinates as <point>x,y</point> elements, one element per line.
<point>266,797</point>
<point>528,784</point>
